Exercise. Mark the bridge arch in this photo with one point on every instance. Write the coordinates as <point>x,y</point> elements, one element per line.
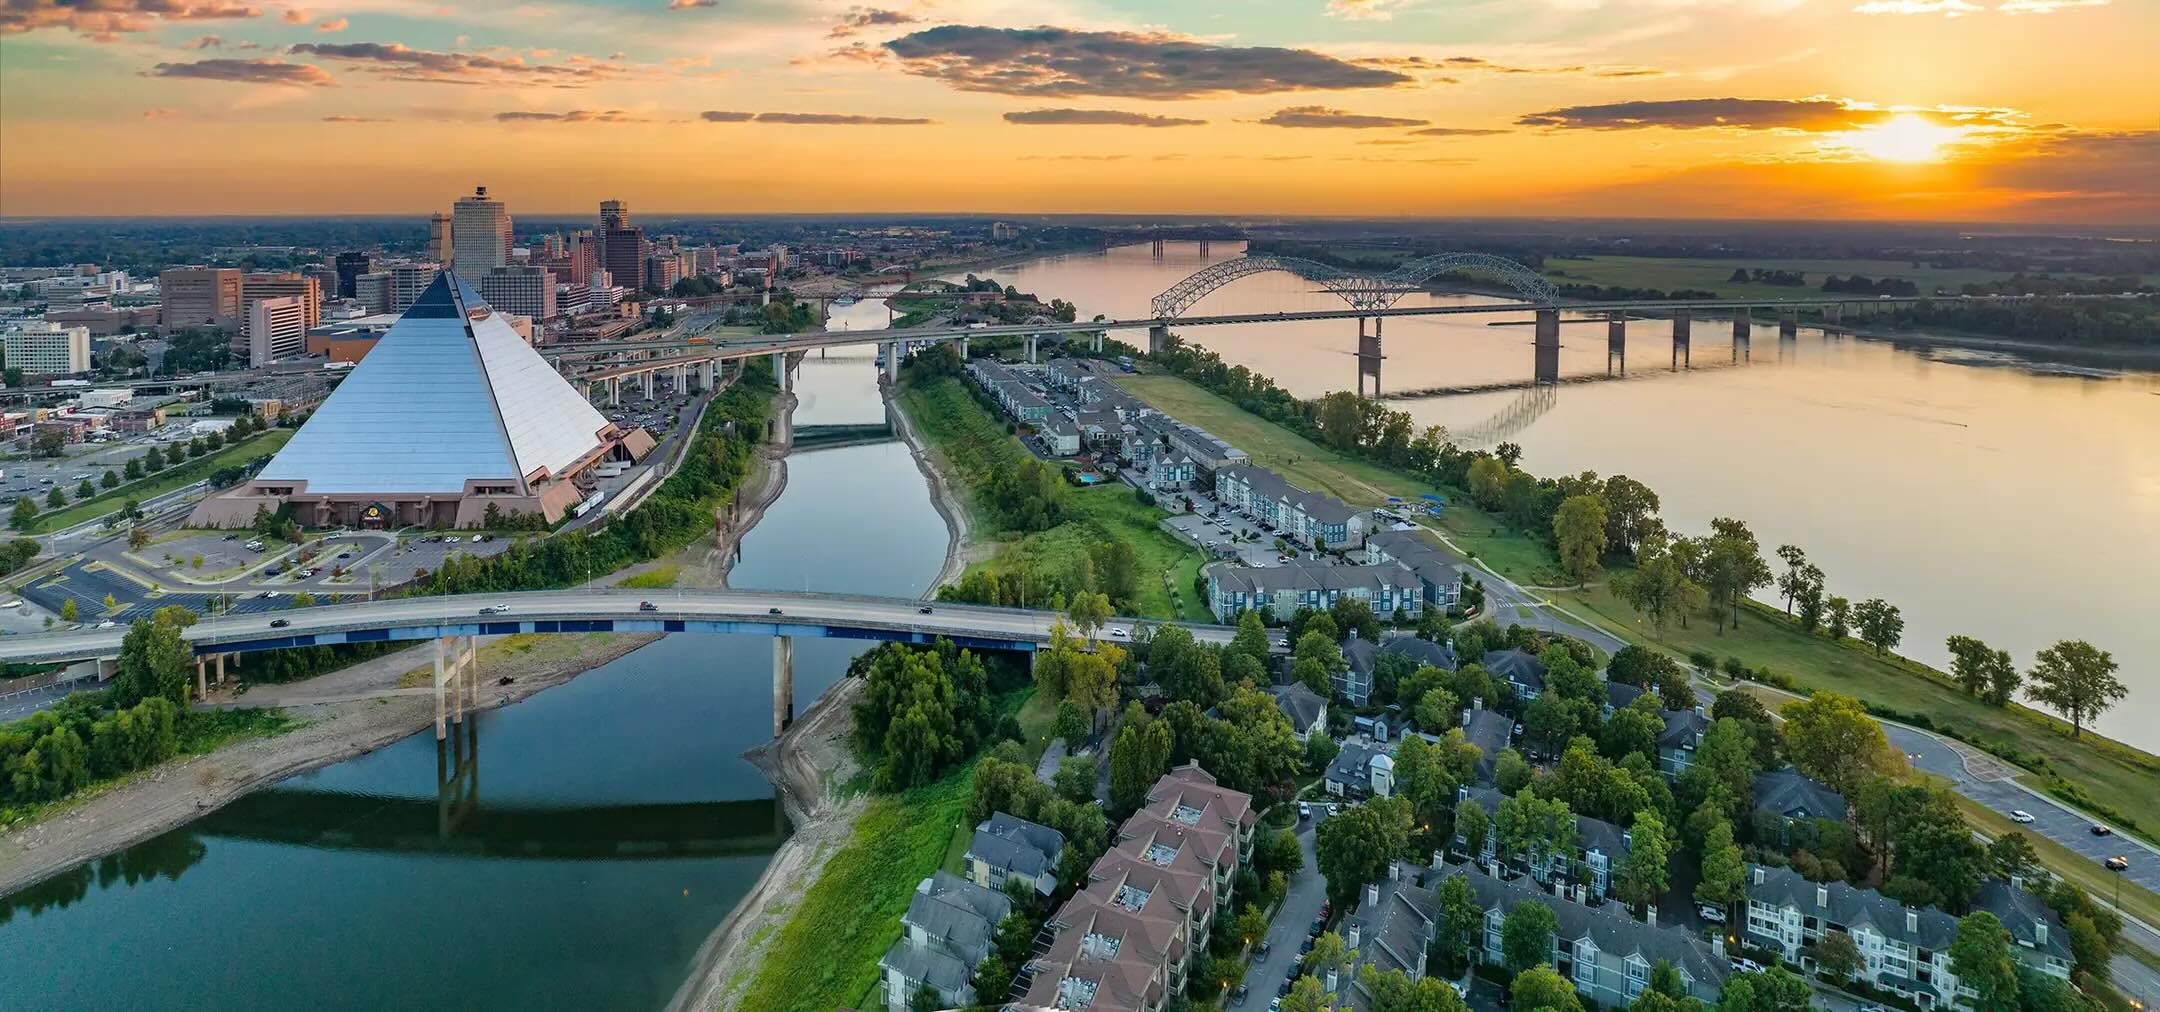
<point>1362,290</point>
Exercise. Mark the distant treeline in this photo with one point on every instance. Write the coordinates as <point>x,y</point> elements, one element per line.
<point>2132,322</point>
<point>1861,284</point>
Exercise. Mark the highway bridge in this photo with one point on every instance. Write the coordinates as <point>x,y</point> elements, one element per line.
<point>455,621</point>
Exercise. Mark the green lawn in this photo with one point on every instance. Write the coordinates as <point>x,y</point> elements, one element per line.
<point>2113,774</point>
<point>160,483</point>
<point>968,443</point>
<point>826,956</point>
<point>657,578</point>
<point>1712,275</point>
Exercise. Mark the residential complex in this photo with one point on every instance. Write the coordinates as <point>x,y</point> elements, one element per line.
<point>40,348</point>
<point>950,925</point>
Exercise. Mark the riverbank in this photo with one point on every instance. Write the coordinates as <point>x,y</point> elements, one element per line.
<point>961,548</point>
<point>179,792</point>
<point>809,765</point>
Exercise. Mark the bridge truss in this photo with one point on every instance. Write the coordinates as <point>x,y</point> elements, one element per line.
<point>1364,291</point>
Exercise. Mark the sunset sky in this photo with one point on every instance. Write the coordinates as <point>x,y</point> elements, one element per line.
<point>1970,110</point>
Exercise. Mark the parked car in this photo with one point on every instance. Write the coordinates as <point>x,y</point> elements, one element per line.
<point>279,623</point>
<point>2021,815</point>
<point>1746,965</point>
<point>1711,912</point>
<point>1304,810</point>
<point>1237,997</point>
<point>1265,948</point>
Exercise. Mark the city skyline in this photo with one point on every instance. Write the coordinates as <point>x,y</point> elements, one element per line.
<point>1953,110</point>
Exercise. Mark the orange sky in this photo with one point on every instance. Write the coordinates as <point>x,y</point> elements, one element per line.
<point>2003,110</point>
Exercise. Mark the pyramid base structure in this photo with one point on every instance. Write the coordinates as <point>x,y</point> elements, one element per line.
<point>451,419</point>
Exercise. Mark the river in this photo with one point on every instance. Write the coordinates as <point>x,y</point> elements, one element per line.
<point>378,909</point>
<point>1984,493</point>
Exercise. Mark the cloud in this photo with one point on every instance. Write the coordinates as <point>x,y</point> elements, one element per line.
<point>333,25</point>
<point>1073,158</point>
<point>1458,132</point>
<point>204,42</point>
<point>295,16</point>
<point>856,19</point>
<point>811,118</point>
<point>683,5</point>
<point>354,119</point>
<point>572,116</point>
<point>399,62</point>
<point>256,71</point>
<point>1363,10</point>
<point>103,20</point>
<point>1064,62</point>
<point>1096,117</point>
<point>2044,6</point>
<point>1323,117</point>
<point>1810,114</point>
<point>160,113</point>
<point>1947,8</point>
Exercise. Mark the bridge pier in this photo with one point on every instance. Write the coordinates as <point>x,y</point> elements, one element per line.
<point>1098,342</point>
<point>456,672</point>
<point>1547,346</point>
<point>1682,329</point>
<point>202,688</point>
<point>1203,249</point>
<point>1158,339</point>
<point>1616,341</point>
<point>783,683</point>
<point>1743,326</point>
<point>892,361</point>
<point>1788,325</point>
<point>648,384</point>
<point>963,350</point>
<point>1368,356</point>
<point>1031,339</point>
<point>614,391</point>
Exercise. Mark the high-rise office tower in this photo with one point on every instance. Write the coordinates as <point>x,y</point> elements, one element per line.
<point>439,248</point>
<point>479,235</point>
<point>614,214</point>
<point>350,265</point>
<point>199,297</point>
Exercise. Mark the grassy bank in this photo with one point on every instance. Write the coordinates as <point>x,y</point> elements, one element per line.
<point>1714,275</point>
<point>2109,773</point>
<point>826,955</point>
<point>970,444</point>
<point>145,489</point>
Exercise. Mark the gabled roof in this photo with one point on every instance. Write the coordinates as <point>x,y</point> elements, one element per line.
<point>449,394</point>
<point>1619,694</point>
<point>1301,705</point>
<point>1423,651</point>
<point>1607,926</point>
<point>1683,728</point>
<point>1016,845</point>
<point>958,915</point>
<point>1795,796</point>
<point>1850,906</point>
<point>1490,731</point>
<point>2031,921</point>
<point>1517,666</point>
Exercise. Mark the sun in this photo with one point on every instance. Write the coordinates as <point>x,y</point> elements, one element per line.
<point>1901,138</point>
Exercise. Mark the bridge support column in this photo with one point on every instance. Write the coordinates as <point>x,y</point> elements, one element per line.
<point>202,687</point>
<point>1158,339</point>
<point>1616,341</point>
<point>1368,356</point>
<point>218,666</point>
<point>648,384</point>
<point>1032,340</point>
<point>963,350</point>
<point>614,391</point>
<point>1788,325</point>
<point>1098,342</point>
<point>1203,249</point>
<point>682,380</point>
<point>783,683</point>
<point>442,726</point>
<point>1743,334</point>
<point>892,361</point>
<point>1547,346</point>
<point>708,374</point>
<point>1682,328</point>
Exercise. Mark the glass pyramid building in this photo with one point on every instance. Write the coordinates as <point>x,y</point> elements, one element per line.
<point>452,412</point>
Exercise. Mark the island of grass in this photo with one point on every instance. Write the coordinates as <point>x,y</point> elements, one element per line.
<point>1040,559</point>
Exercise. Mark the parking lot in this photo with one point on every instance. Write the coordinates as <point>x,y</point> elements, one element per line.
<point>26,474</point>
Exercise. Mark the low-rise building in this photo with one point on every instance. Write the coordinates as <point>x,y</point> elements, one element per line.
<point>1006,847</point>
<point>1361,768</point>
<point>1683,734</point>
<point>1440,572</point>
<point>1519,668</point>
<point>949,927</point>
<point>1491,731</point>
<point>1905,950</point>
<point>1364,655</point>
<point>1305,709</point>
<point>1605,953</point>
<point>1789,796</point>
<point>1282,590</point>
<point>1311,517</point>
<point>1586,870</point>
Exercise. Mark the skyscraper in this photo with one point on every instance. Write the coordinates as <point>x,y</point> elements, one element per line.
<point>276,328</point>
<point>302,288</point>
<point>199,297</point>
<point>479,235</point>
<point>614,214</point>
<point>622,245</point>
<point>439,248</point>
<point>350,265</point>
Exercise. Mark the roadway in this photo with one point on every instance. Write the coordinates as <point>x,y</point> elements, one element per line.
<point>770,613</point>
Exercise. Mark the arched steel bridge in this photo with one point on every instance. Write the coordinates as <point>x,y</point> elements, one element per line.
<point>1361,289</point>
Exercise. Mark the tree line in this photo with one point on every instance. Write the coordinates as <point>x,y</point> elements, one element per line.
<point>149,464</point>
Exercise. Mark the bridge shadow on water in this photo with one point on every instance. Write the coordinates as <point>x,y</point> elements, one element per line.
<point>455,822</point>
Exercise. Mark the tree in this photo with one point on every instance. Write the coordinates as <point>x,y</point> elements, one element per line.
<point>25,513</point>
<point>1488,482</point>
<point>1306,996</point>
<point>1724,870</point>
<point>154,663</point>
<point>1732,565</point>
<point>1660,587</point>
<point>1523,502</point>
<point>1644,872</point>
<point>1511,772</point>
<point>1526,936</point>
<point>1837,618</point>
<point>2075,679</point>
<point>1251,638</point>
<point>1831,737</point>
<point>1472,825</point>
<point>1794,580</point>
<point>1981,958</point>
<point>1090,611</point>
<point>1836,958</point>
<point>56,498</point>
<point>1072,724</point>
<point>1075,779</point>
<point>1879,623</point>
<point>1394,991</point>
<point>1329,953</point>
<point>138,538</point>
<point>1316,661</point>
<point>1355,848</point>
<point>1183,668</point>
<point>1139,757</point>
<point>1633,729</point>
<point>1630,513</point>
<point>1461,920</point>
<point>154,460</point>
<point>1771,990</point>
<point>1541,989</point>
<point>2013,856</point>
<point>1579,534</point>
<point>109,480</point>
<point>67,610</point>
<point>1974,665</point>
<point>133,469</point>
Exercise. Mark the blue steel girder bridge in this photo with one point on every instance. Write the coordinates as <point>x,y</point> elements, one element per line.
<point>454,623</point>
